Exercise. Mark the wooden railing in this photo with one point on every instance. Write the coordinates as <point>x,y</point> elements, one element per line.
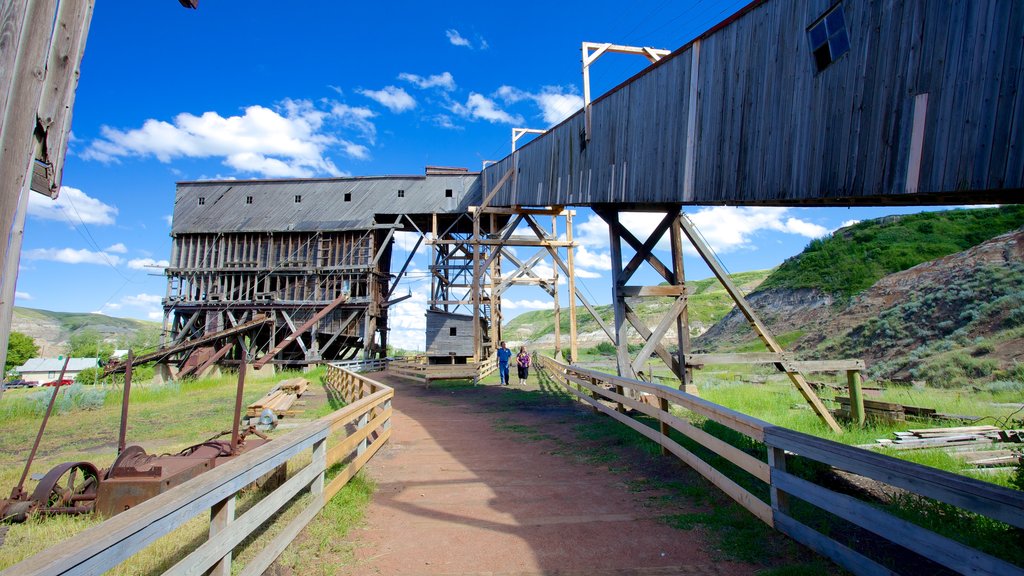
<point>1002,504</point>
<point>418,368</point>
<point>349,436</point>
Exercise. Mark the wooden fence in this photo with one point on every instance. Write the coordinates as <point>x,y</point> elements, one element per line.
<point>417,368</point>
<point>613,395</point>
<point>349,436</point>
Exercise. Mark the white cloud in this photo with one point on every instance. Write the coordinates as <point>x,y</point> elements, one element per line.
<point>141,300</point>
<point>392,97</point>
<point>527,304</point>
<point>355,118</point>
<point>23,296</point>
<point>581,273</point>
<point>480,107</point>
<point>804,228</point>
<point>444,80</point>
<point>407,320</point>
<point>147,263</point>
<point>71,256</point>
<point>118,248</point>
<point>725,228</point>
<point>72,206</point>
<point>353,150</point>
<point>145,304</point>
<point>168,218</point>
<point>555,102</point>
<point>456,39</point>
<point>584,258</point>
<point>291,141</point>
<point>445,121</point>
<point>848,223</point>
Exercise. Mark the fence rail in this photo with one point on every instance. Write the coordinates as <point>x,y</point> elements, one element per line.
<point>364,426</point>
<point>612,395</point>
<point>417,368</point>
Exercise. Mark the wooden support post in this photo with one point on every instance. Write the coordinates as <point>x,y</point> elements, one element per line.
<point>682,371</point>
<point>222,514</point>
<point>625,367</point>
<point>856,398</point>
<point>777,461</point>
<point>554,294</point>
<point>618,405</point>
<point>571,276</point>
<point>663,426</point>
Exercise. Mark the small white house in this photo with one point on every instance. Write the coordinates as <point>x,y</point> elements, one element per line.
<point>42,370</point>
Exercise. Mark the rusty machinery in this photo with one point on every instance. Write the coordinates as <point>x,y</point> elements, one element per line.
<point>134,477</point>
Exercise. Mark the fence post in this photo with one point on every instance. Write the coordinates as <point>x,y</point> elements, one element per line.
<point>777,461</point>
<point>662,425</point>
<point>320,461</point>
<point>618,405</point>
<point>856,398</point>
<point>222,514</point>
<point>365,442</point>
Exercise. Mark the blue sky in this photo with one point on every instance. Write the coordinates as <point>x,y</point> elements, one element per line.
<point>270,89</point>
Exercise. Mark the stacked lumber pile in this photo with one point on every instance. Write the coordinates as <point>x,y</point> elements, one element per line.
<point>949,437</point>
<point>280,399</point>
<point>884,411</point>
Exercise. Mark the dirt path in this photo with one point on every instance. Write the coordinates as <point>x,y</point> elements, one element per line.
<point>472,483</point>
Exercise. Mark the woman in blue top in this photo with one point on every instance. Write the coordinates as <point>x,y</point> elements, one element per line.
<point>504,355</point>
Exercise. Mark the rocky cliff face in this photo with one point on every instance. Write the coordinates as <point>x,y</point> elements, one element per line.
<point>781,310</point>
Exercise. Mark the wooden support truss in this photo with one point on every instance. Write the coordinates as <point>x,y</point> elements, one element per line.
<point>677,225</point>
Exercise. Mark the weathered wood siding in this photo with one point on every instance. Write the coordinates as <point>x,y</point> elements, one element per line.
<point>770,129</point>
<point>440,342</point>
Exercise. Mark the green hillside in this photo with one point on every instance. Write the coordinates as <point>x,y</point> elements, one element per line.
<point>854,258</point>
<point>51,327</point>
<point>708,303</point>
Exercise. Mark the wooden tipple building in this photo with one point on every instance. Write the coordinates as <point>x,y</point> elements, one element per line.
<point>292,252</point>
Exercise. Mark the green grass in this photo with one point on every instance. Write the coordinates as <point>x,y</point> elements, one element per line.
<point>162,418</point>
<point>853,259</point>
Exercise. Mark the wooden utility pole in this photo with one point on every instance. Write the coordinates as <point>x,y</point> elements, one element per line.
<point>39,67</point>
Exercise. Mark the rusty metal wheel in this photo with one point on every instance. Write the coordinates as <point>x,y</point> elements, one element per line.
<point>68,488</point>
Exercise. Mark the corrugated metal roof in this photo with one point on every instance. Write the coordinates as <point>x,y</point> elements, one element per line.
<point>226,204</point>
<point>55,364</point>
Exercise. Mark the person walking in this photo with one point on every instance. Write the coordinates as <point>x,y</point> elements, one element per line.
<point>504,355</point>
<point>523,365</point>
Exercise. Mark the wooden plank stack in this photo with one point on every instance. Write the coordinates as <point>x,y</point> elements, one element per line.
<point>280,399</point>
<point>884,411</point>
<point>946,437</point>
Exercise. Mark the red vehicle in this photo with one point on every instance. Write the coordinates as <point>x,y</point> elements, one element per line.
<point>64,382</point>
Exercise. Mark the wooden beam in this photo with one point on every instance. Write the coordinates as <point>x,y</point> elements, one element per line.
<point>659,332</point>
<point>163,353</point>
<point>762,331</point>
<point>198,369</point>
<point>697,360</point>
<point>302,329</point>
<point>645,332</point>
<point>643,252</point>
<point>664,291</point>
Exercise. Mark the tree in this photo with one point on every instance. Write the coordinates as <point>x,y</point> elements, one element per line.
<point>20,348</point>
<point>89,343</point>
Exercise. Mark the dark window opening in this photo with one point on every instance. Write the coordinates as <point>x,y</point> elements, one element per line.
<point>448,193</point>
<point>248,199</point>
<point>348,196</point>
<point>451,331</point>
<point>202,200</point>
<point>401,193</point>
<point>298,199</point>
<point>828,38</point>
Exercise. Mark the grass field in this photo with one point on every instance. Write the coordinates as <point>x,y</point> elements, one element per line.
<point>162,418</point>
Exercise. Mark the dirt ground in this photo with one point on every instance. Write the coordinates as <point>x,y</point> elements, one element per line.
<point>489,480</point>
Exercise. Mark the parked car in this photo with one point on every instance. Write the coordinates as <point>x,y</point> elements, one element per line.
<point>64,382</point>
<point>19,383</point>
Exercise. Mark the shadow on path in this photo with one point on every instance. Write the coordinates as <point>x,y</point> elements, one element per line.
<point>491,480</point>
